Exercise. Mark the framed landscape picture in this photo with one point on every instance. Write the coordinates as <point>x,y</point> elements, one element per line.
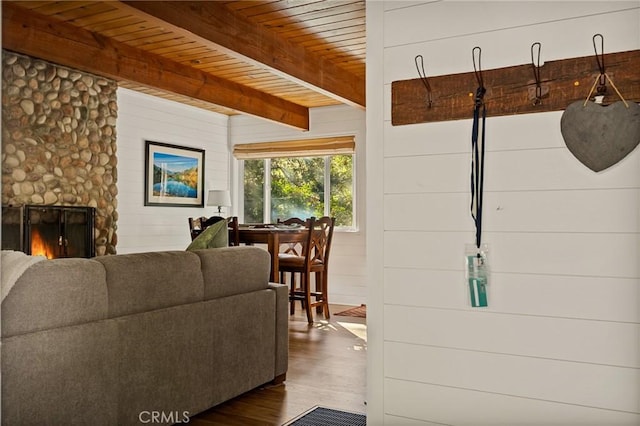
<point>174,175</point>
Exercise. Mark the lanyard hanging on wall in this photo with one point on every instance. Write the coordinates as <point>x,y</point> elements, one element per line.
<point>477,272</point>
<point>477,149</point>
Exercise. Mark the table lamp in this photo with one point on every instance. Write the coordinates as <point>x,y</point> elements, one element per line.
<point>220,198</point>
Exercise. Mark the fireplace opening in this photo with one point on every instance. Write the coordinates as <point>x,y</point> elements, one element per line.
<point>50,231</point>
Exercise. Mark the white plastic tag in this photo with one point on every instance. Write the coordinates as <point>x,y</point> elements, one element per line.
<point>477,274</point>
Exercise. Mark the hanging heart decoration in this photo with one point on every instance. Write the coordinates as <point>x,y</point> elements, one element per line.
<point>600,136</point>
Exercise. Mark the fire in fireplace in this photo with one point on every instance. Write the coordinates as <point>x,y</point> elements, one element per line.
<point>50,231</point>
<point>42,246</point>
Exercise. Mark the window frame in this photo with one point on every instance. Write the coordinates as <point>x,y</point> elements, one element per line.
<point>327,184</point>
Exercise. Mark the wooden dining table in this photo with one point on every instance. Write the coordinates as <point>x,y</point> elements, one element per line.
<point>273,236</point>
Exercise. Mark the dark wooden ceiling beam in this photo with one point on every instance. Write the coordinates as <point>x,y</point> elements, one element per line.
<point>221,28</point>
<point>55,41</point>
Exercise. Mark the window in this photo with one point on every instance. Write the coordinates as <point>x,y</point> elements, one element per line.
<point>299,179</point>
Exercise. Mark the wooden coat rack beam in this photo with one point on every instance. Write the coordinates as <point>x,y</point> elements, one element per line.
<point>510,89</point>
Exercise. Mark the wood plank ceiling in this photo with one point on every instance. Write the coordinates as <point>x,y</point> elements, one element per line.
<point>273,59</point>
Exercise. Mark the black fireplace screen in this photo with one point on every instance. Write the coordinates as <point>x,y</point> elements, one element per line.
<point>51,231</point>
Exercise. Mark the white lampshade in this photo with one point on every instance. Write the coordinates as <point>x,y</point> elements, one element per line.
<point>219,197</point>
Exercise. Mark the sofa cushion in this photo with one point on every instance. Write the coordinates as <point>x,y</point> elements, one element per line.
<point>233,270</point>
<point>214,236</point>
<point>55,293</point>
<point>140,282</point>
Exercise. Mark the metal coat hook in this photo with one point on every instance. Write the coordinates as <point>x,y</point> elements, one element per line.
<point>478,72</point>
<point>602,81</point>
<point>537,99</point>
<point>423,77</point>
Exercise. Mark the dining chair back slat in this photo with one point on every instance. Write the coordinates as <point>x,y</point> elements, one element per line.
<point>293,248</point>
<point>234,231</point>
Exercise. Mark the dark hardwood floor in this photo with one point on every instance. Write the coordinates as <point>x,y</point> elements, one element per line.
<point>327,367</point>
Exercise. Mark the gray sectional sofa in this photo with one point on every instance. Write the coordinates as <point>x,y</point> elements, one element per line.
<point>140,338</point>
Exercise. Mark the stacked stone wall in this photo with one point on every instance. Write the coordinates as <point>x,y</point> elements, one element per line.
<point>59,140</point>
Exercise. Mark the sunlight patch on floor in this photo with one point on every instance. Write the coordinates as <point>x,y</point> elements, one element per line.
<point>358,330</point>
<point>324,325</point>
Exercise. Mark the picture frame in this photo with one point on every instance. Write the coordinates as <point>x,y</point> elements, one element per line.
<point>174,175</point>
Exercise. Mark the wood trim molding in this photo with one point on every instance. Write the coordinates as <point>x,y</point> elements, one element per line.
<point>510,90</point>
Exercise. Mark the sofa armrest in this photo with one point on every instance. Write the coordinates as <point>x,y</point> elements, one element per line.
<point>282,327</point>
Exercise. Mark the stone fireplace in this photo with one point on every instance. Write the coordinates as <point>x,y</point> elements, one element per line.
<point>59,141</point>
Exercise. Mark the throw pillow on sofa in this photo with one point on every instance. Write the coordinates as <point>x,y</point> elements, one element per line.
<point>214,236</point>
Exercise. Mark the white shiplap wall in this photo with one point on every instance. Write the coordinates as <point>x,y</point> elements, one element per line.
<point>142,117</point>
<point>347,273</point>
<point>560,340</point>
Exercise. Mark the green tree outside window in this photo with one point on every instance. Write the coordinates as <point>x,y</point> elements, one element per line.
<point>297,188</point>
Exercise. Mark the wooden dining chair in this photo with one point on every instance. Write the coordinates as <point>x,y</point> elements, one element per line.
<point>314,261</point>
<point>295,248</point>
